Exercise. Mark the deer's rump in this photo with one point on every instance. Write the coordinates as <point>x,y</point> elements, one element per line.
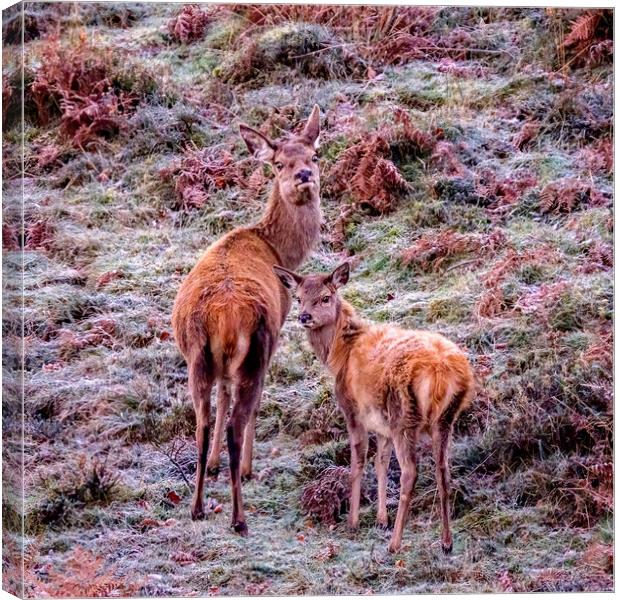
<point>230,299</point>
<point>400,371</point>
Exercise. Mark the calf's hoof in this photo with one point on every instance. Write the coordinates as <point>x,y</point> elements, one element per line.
<point>241,528</point>
<point>245,477</point>
<point>393,548</point>
<point>213,472</point>
<point>382,524</point>
<point>447,547</point>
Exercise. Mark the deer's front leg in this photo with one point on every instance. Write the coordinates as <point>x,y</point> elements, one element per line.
<point>358,438</point>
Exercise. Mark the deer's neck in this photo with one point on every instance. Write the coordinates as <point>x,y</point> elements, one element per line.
<point>293,230</point>
<point>333,343</point>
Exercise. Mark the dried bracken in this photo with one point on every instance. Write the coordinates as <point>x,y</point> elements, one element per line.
<point>600,351</point>
<point>492,302</point>
<point>501,193</point>
<point>325,498</point>
<point>365,171</point>
<point>199,173</point>
<point>433,250</point>
<point>590,37</point>
<point>83,575</point>
<point>599,157</point>
<point>527,134</point>
<point>10,237</point>
<point>75,81</point>
<point>189,25</point>
<point>566,195</point>
<point>39,235</point>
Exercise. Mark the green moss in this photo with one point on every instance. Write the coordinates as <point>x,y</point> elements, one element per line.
<point>451,310</point>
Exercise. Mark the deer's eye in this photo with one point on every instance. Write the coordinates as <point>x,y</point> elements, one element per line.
<point>325,299</point>
<point>315,158</point>
<point>278,165</point>
<point>298,300</point>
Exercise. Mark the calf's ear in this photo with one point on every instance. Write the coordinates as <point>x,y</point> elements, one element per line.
<point>340,275</point>
<point>289,279</point>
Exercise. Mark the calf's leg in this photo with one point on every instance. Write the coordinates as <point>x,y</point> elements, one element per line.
<point>405,446</point>
<point>382,462</point>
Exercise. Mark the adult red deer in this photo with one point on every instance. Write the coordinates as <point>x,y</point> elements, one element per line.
<point>395,382</point>
<point>229,310</point>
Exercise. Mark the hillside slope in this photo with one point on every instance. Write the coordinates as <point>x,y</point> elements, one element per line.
<point>467,174</point>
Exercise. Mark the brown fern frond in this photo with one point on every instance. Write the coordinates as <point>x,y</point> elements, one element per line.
<point>366,172</point>
<point>189,25</point>
<point>255,184</point>
<point>527,133</point>
<point>432,250</point>
<point>82,575</point>
<point>325,498</point>
<point>564,195</point>
<point>583,28</point>
<point>199,173</point>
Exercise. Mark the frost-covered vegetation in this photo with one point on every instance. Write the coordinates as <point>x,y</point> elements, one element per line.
<point>467,174</point>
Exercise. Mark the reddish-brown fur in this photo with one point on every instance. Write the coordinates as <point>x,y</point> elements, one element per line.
<point>229,310</point>
<point>396,382</point>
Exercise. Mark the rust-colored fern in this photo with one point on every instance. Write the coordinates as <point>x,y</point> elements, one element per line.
<point>83,575</point>
<point>324,498</point>
<point>189,25</point>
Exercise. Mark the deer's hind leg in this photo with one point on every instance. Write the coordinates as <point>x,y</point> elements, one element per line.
<point>250,380</point>
<point>248,444</point>
<point>222,405</point>
<point>201,377</point>
<point>442,436</point>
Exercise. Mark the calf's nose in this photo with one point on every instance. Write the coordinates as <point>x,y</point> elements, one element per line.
<point>305,317</point>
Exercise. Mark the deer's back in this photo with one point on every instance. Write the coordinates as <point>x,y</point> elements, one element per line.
<point>232,286</point>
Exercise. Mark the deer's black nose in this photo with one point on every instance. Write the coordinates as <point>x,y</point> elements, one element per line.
<point>304,318</point>
<point>304,175</point>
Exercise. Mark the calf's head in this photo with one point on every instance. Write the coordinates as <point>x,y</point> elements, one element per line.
<point>294,160</point>
<point>317,294</point>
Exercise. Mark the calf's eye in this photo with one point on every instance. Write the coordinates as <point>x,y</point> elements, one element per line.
<point>279,165</point>
<point>325,299</point>
<point>315,158</point>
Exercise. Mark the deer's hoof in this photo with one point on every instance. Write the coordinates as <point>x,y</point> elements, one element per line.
<point>447,547</point>
<point>381,524</point>
<point>246,477</point>
<point>198,513</point>
<point>393,548</point>
<point>213,472</point>
<point>241,528</point>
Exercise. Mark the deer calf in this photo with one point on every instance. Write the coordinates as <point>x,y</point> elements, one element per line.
<point>396,382</point>
<point>229,310</point>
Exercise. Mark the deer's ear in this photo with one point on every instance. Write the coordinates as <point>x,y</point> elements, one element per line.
<point>313,127</point>
<point>259,145</point>
<point>340,275</point>
<point>289,279</point>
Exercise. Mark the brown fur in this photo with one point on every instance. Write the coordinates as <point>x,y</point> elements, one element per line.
<point>393,381</point>
<point>230,308</point>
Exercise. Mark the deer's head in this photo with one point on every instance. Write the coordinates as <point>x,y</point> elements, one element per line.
<point>317,294</point>
<point>294,160</point>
